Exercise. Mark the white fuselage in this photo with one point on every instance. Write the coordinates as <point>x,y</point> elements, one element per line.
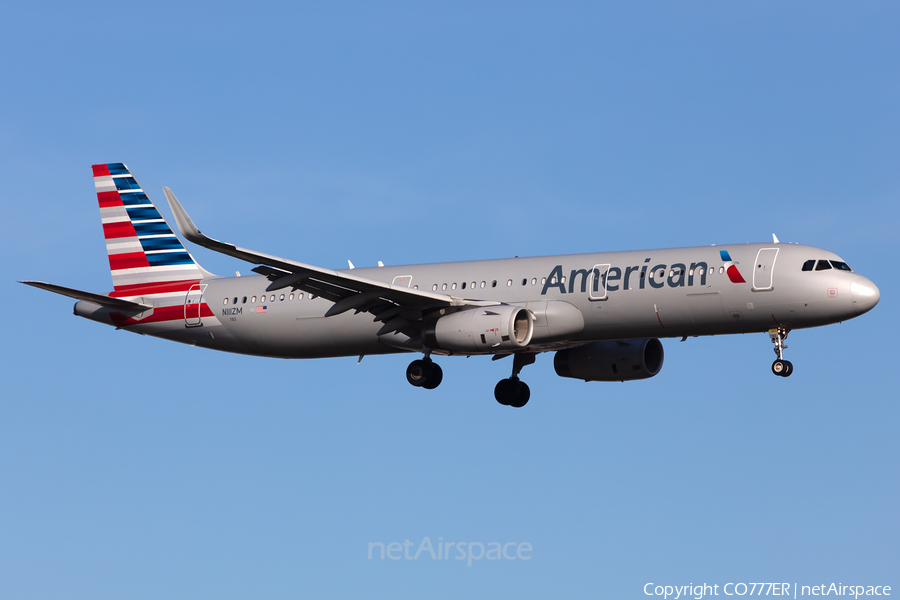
<point>575,299</point>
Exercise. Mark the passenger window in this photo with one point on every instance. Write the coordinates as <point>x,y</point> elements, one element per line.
<point>822,265</point>
<point>300,296</point>
<point>494,284</point>
<point>721,270</point>
<point>253,299</point>
<point>483,283</point>
<point>281,298</point>
<point>543,280</point>
<point>524,282</point>
<point>474,285</point>
<point>244,300</point>
<point>840,266</point>
<point>291,297</point>
<point>235,300</point>
<point>509,283</point>
<point>272,299</point>
<point>808,265</point>
<point>415,287</point>
<point>434,288</point>
<point>463,285</point>
<point>444,287</point>
<point>453,287</point>
<point>533,280</point>
<point>225,301</point>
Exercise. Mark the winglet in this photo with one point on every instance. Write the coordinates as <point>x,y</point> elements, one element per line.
<point>191,232</point>
<point>185,224</point>
<point>775,239</point>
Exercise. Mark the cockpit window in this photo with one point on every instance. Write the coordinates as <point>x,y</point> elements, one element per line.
<point>840,266</point>
<point>808,265</point>
<point>823,265</point>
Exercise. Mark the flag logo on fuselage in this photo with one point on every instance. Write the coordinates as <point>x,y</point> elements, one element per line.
<point>730,268</point>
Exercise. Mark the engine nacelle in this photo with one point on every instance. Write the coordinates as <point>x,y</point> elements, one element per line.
<point>611,361</point>
<point>482,330</point>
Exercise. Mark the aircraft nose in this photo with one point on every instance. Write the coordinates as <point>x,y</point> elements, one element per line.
<point>864,295</point>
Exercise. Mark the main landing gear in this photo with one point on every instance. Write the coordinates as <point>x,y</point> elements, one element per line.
<point>781,367</point>
<point>512,392</point>
<point>424,373</point>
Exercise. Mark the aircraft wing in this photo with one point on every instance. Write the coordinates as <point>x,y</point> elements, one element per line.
<point>397,306</point>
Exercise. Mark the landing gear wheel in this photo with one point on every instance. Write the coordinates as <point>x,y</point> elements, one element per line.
<point>424,373</point>
<point>512,392</point>
<point>788,370</point>
<point>434,378</point>
<point>522,395</point>
<point>417,372</point>
<point>504,391</point>
<point>782,368</point>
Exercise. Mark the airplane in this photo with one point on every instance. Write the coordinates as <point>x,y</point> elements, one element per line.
<point>602,314</point>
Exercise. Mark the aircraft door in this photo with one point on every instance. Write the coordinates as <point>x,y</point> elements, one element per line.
<point>763,269</point>
<point>192,303</point>
<point>597,282</point>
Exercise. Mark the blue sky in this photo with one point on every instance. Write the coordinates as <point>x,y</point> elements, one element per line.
<point>413,132</point>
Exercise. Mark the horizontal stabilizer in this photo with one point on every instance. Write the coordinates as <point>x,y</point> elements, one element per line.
<point>100,299</point>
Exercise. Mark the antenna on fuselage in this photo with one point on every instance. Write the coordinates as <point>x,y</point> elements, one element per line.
<point>775,239</point>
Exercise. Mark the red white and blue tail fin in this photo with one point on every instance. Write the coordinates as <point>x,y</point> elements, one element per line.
<point>143,250</point>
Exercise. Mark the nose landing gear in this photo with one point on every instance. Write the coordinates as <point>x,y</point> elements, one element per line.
<point>424,373</point>
<point>512,391</point>
<point>780,367</point>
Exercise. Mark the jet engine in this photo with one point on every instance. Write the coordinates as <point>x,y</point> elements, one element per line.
<point>611,361</point>
<point>482,330</point>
